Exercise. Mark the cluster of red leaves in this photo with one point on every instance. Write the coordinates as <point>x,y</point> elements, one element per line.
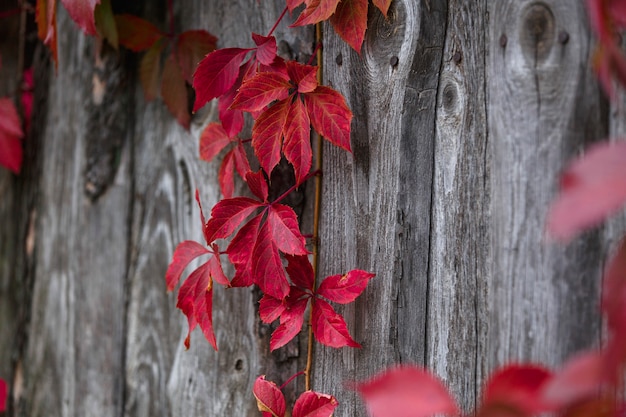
<point>608,18</point>
<point>271,401</point>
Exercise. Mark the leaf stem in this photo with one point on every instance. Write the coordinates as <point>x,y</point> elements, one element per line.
<point>9,13</point>
<point>316,216</point>
<point>278,21</point>
<point>293,187</point>
<point>315,53</point>
<point>291,379</point>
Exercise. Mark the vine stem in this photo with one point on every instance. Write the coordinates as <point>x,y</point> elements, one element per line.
<point>278,21</point>
<point>292,188</point>
<point>316,218</point>
<point>291,379</point>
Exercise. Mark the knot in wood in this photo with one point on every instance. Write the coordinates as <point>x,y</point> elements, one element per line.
<point>387,35</point>
<point>537,32</point>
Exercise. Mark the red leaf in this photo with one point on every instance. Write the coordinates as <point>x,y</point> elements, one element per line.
<point>330,116</point>
<point>82,12</point>
<point>241,161</point>
<point>613,296</point>
<point>27,97</point>
<point>105,23</point>
<point>270,308</point>
<point>259,91</point>
<point>227,215</point>
<point>192,299</point>
<point>592,188</point>
<point>283,223</point>
<point>185,252</point>
<point>329,327</point>
<point>406,391</point>
<point>226,175</point>
<point>304,76</point>
<point>291,321</point>
<point>268,270</point>
<point>292,4</point>
<point>314,404</point>
<point>203,220</point>
<point>517,387</point>
<point>216,74</point>
<point>3,395</point>
<point>174,92</point>
<point>268,397</point>
<point>300,271</point>
<point>344,288</point>
<point>267,134</point>
<point>240,252</point>
<point>212,140</point>
<point>297,144</point>
<point>136,33</point>
<point>217,273</point>
<point>350,22</point>
<point>47,26</point>
<point>265,48</point>
<point>204,316</point>
<point>11,152</point>
<point>150,70</point>
<point>316,11</point>
<point>191,47</point>
<point>580,378</point>
<point>383,5</point>
<point>232,120</point>
<point>258,184</point>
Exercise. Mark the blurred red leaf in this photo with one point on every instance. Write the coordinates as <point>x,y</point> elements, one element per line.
<point>344,288</point>
<point>350,22</point>
<point>592,188</point>
<point>191,47</point>
<point>105,23</point>
<point>406,391</point>
<point>135,33</point>
<point>212,140</point>
<point>11,134</point>
<point>314,404</point>
<point>329,327</point>
<point>174,92</point>
<point>45,15</point>
<point>3,395</point>
<point>383,5</point>
<point>150,70</point>
<point>82,12</point>
<point>268,397</point>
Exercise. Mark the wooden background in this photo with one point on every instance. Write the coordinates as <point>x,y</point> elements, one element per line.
<point>465,113</point>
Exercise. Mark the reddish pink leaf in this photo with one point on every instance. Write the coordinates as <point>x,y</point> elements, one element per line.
<point>329,327</point>
<point>185,252</point>
<point>330,116</point>
<point>300,271</point>
<point>204,316</point>
<point>383,5</point>
<point>136,33</point>
<point>226,175</point>
<point>216,74</point>
<point>304,76</point>
<point>174,92</point>
<point>270,308</point>
<point>45,15</point>
<point>292,4</point>
<point>192,300</point>
<point>344,288</point>
<point>268,397</point>
<point>227,215</point>
<point>259,91</point>
<point>516,387</point>
<point>240,252</point>
<point>350,22</point>
<point>283,223</point>
<point>268,270</point>
<point>27,97</point>
<point>11,152</point>
<point>297,144</point>
<point>316,11</point>
<point>580,378</point>
<point>314,404</point>
<point>82,12</point>
<point>191,47</point>
<point>203,221</point>
<point>267,134</point>
<point>617,10</point>
<point>291,321</point>
<point>150,70</point>
<point>592,188</point>
<point>3,395</point>
<point>241,161</point>
<point>217,273</point>
<point>406,391</point>
<point>265,48</point>
<point>212,140</point>
<point>232,120</point>
<point>258,184</point>
<point>613,296</point>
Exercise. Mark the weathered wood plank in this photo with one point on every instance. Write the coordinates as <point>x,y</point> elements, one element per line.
<point>543,107</point>
<point>377,202</point>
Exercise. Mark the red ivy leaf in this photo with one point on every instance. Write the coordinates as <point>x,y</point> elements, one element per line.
<point>82,12</point>
<point>304,76</point>
<point>191,47</point>
<point>185,252</point>
<point>266,48</point>
<point>297,145</point>
<point>300,271</point>
<point>406,391</point>
<point>259,91</point>
<point>258,184</point>
<point>192,301</point>
<point>345,288</point>
<point>232,120</point>
<point>316,11</point>
<point>270,308</point>
<point>283,223</point>
<point>135,33</point>
<point>240,252</point>
<point>105,23</point>
<point>216,74</point>
<point>3,395</point>
<point>227,215</point>
<point>241,161</point>
<point>47,26</point>
<point>383,5</point>
<point>268,270</point>
<point>268,397</point>
<point>330,115</point>
<point>329,327</point>
<point>174,92</point>
<point>592,188</point>
<point>212,140</point>
<point>11,152</point>
<point>314,404</point>
<point>267,134</point>
<point>516,387</point>
<point>291,321</point>
<point>226,175</point>
<point>350,22</point>
<point>150,70</point>
<point>613,296</point>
